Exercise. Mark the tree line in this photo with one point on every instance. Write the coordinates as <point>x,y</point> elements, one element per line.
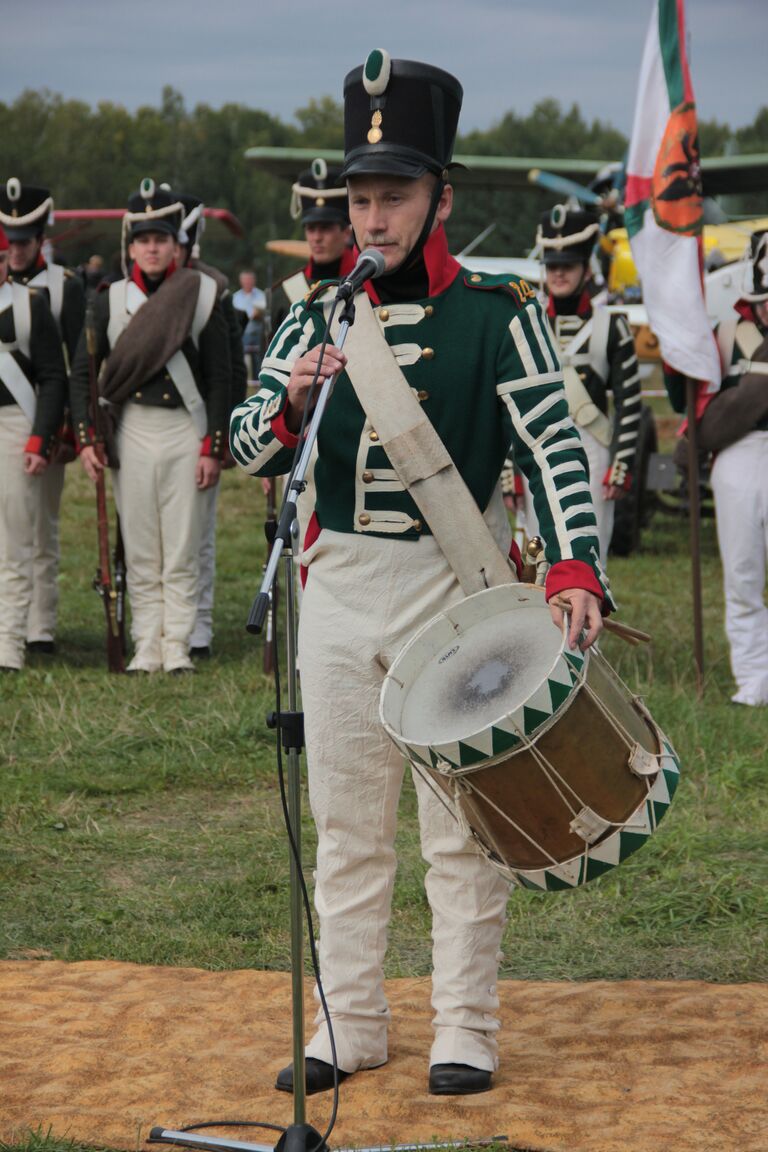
<point>96,156</point>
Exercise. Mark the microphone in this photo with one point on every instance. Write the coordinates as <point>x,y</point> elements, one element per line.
<point>370,264</point>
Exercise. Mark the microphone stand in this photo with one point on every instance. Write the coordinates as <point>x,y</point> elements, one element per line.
<point>299,1136</point>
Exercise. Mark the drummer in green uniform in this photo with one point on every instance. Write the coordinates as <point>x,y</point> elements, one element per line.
<point>474,353</point>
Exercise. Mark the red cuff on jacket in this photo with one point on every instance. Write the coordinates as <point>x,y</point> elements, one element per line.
<point>280,430</point>
<point>312,533</point>
<point>516,558</point>
<point>35,444</point>
<point>573,574</point>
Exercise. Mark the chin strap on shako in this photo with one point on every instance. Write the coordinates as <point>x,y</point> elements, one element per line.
<point>423,236</point>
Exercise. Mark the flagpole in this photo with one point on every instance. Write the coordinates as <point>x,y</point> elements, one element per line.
<point>694,515</point>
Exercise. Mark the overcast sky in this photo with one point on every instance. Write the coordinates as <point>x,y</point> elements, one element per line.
<point>278,54</point>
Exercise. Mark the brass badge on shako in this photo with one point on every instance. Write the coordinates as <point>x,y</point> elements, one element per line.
<point>376,73</point>
<point>374,132</point>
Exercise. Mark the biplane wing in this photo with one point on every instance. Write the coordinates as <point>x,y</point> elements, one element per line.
<point>720,174</point>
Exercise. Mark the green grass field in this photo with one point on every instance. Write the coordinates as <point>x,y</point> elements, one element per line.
<point>140,817</point>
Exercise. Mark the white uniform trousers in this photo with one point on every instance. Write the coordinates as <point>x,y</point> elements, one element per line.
<point>598,458</point>
<point>19,494</point>
<point>41,620</point>
<point>364,599</point>
<point>740,487</point>
<point>202,633</point>
<point>161,516</point>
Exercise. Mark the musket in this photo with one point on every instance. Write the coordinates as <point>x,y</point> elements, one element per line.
<point>102,581</point>
<point>270,527</point>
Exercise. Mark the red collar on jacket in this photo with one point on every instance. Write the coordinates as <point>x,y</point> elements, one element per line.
<point>441,267</point>
<point>746,309</point>
<point>583,308</point>
<point>138,276</point>
<point>348,258</point>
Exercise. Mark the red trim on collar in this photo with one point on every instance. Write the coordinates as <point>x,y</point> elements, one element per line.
<point>583,308</point>
<point>41,262</point>
<point>442,268</point>
<point>746,310</point>
<point>138,276</point>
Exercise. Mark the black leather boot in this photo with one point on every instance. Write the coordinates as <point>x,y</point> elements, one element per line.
<point>458,1080</point>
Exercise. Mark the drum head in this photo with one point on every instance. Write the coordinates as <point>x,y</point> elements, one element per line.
<point>471,667</point>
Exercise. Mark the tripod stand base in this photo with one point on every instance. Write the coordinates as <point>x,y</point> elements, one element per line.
<point>301,1138</point>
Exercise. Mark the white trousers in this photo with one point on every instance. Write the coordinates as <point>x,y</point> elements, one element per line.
<point>363,600</point>
<point>41,620</point>
<point>598,458</point>
<point>740,487</point>
<point>161,516</point>
<point>19,494</point>
<point>202,633</point>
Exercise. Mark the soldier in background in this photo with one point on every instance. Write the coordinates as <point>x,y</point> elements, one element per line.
<point>324,211</point>
<point>598,356</point>
<point>190,238</point>
<point>162,340</point>
<point>24,212</point>
<point>734,428</point>
<point>33,388</point>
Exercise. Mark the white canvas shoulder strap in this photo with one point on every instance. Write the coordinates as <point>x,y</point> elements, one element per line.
<point>11,372</point>
<point>52,278</point>
<point>295,287</point>
<point>420,458</point>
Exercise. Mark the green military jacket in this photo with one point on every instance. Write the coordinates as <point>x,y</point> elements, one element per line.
<point>478,355</point>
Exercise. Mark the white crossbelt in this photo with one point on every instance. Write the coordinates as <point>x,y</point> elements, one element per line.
<point>581,406</point>
<point>125,299</point>
<point>419,457</point>
<point>11,372</point>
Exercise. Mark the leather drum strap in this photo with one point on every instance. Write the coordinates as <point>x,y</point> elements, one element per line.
<point>419,457</point>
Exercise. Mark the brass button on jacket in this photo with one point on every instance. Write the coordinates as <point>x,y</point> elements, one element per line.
<point>422,395</point>
<point>427,353</point>
<point>364,519</point>
<point>429,310</point>
<point>367,477</point>
<point>384,314</point>
<point>373,436</point>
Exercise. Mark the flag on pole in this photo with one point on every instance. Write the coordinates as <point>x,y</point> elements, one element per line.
<point>663,202</point>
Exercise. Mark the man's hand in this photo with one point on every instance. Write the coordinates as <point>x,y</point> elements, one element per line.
<point>584,610</point>
<point>207,472</point>
<point>302,375</point>
<point>92,459</point>
<point>34,464</point>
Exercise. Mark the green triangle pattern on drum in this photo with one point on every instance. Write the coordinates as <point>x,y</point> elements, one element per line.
<point>629,842</point>
<point>469,755</point>
<point>565,876</point>
<point>559,693</point>
<point>597,868</point>
<point>503,741</point>
<point>533,719</point>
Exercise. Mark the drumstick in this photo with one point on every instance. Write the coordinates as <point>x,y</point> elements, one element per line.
<point>631,635</point>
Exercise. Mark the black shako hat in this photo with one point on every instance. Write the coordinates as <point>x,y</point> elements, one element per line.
<point>758,256</point>
<point>317,198</point>
<point>153,209</point>
<point>567,235</point>
<point>400,117</point>
<point>24,209</point>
